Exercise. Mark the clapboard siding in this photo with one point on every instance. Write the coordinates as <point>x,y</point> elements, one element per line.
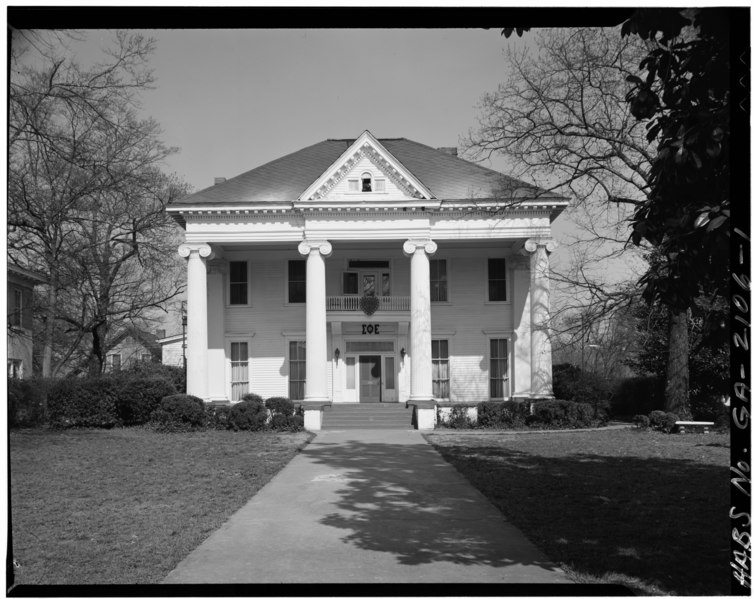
<point>274,323</point>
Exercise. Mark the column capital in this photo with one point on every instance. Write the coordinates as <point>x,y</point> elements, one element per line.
<point>321,245</point>
<point>532,244</point>
<point>411,245</point>
<point>203,249</point>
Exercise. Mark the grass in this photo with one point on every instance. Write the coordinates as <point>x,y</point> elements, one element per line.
<point>124,506</point>
<point>643,509</point>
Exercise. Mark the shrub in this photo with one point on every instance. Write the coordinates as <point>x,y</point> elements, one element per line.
<point>85,402</point>
<point>495,414</point>
<point>656,418</point>
<point>174,374</point>
<point>247,415</point>
<point>253,398</point>
<point>638,395</point>
<point>27,399</point>
<point>459,418</point>
<point>571,383</point>
<point>139,397</point>
<point>641,421</point>
<point>217,416</point>
<point>179,412</point>
<point>558,413</point>
<point>280,405</point>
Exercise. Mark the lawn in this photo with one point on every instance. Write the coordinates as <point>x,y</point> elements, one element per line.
<point>124,506</point>
<point>644,509</point>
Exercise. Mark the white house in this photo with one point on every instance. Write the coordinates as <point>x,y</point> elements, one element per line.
<point>366,270</point>
<point>20,291</point>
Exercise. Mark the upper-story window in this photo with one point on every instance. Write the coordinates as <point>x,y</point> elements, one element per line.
<point>438,280</point>
<point>496,280</point>
<point>239,283</point>
<point>296,281</point>
<point>15,310</point>
<point>366,182</point>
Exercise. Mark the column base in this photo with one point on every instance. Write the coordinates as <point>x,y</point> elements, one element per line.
<point>425,413</point>
<point>314,413</point>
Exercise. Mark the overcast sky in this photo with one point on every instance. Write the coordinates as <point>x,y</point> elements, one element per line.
<point>232,100</point>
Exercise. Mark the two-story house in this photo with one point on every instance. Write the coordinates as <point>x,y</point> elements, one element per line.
<point>20,291</point>
<point>366,270</point>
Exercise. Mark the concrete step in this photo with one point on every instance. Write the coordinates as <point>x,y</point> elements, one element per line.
<point>367,416</point>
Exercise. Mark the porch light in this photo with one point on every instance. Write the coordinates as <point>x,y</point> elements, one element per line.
<point>403,353</point>
<point>337,355</point>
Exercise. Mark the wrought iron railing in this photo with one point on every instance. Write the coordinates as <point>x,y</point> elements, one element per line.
<point>350,303</point>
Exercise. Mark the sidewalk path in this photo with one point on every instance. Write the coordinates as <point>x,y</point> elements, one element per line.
<point>367,506</point>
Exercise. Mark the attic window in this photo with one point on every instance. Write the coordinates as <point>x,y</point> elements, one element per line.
<point>379,184</point>
<point>366,182</point>
<point>353,185</point>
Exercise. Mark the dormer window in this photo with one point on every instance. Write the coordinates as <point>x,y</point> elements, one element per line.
<point>366,182</point>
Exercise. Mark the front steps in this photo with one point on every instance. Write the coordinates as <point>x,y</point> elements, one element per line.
<point>367,416</point>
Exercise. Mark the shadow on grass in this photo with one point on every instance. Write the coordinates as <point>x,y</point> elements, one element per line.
<point>662,522</point>
<point>396,499</point>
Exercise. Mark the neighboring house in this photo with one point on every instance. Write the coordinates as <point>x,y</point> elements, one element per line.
<point>21,284</point>
<point>368,270</point>
<point>130,346</point>
<point>172,350</point>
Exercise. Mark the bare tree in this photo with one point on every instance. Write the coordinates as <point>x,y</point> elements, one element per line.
<point>84,182</point>
<point>562,122</point>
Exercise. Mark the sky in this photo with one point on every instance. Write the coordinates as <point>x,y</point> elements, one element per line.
<point>232,100</point>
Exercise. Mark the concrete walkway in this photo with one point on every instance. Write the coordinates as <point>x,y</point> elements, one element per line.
<point>367,506</point>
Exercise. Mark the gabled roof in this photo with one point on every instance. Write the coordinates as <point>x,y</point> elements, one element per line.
<point>283,180</point>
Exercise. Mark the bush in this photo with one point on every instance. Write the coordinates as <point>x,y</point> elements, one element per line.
<point>217,416</point>
<point>85,402</point>
<point>508,414</point>
<point>570,383</point>
<point>459,418</point>
<point>656,418</point>
<point>280,405</point>
<point>27,399</point>
<point>139,397</point>
<point>662,421</point>
<point>248,415</point>
<point>558,413</point>
<point>178,413</point>
<point>253,398</point>
<point>641,421</point>
<point>174,374</point>
<point>638,395</point>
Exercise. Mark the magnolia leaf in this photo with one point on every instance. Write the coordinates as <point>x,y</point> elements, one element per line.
<point>716,222</point>
<point>701,220</point>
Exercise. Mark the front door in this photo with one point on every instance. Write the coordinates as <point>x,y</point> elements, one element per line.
<point>370,379</point>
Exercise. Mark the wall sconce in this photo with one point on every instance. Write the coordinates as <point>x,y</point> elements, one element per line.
<point>337,355</point>
<point>403,353</point>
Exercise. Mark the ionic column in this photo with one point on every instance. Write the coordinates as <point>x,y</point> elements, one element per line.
<point>196,312</point>
<point>541,350</point>
<point>421,328</point>
<point>316,326</point>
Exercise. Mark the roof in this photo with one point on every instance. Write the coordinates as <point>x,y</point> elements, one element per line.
<point>285,179</point>
<point>20,273</point>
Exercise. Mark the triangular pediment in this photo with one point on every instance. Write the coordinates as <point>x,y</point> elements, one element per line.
<point>366,157</point>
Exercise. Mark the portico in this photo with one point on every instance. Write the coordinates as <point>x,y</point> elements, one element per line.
<point>340,295</point>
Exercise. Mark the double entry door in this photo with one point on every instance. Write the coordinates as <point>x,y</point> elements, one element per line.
<point>373,377</point>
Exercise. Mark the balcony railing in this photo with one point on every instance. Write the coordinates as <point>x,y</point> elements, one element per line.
<point>350,303</point>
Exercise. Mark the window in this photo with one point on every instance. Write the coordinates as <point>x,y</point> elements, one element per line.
<point>239,283</point>
<point>297,375</point>
<point>438,280</point>
<point>440,369</point>
<point>353,185</point>
<point>350,373</point>
<point>15,369</point>
<point>366,182</point>
<point>390,372</point>
<point>496,279</point>
<point>239,369</point>
<point>498,368</point>
<point>350,283</point>
<point>15,310</point>
<point>379,185</point>
<point>296,281</point>
<point>146,357</point>
<point>112,362</point>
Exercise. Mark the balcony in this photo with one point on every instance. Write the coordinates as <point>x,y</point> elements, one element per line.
<point>350,303</point>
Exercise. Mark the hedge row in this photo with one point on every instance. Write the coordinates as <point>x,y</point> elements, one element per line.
<point>549,414</point>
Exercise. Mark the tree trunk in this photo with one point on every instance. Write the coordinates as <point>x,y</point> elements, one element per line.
<point>97,357</point>
<point>49,328</point>
<point>677,381</point>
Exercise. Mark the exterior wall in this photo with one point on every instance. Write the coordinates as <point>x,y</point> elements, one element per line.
<point>172,353</point>
<point>268,322</point>
<point>130,351</point>
<point>20,344</point>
